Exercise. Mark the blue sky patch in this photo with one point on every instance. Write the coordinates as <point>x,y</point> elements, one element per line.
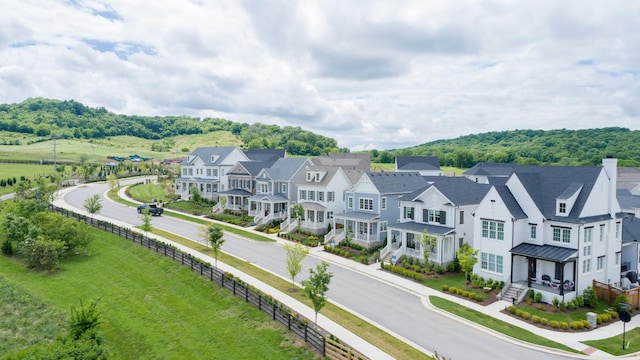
<point>122,49</point>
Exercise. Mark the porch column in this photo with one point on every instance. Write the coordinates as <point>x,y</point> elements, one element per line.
<point>562,280</point>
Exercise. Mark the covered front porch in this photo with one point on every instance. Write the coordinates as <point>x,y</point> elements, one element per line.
<point>364,228</point>
<point>266,208</point>
<point>236,200</point>
<point>548,269</point>
<point>208,188</point>
<point>315,218</point>
<point>415,239</point>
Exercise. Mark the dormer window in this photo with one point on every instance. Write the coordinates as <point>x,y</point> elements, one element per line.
<point>317,177</point>
<point>308,176</point>
<point>562,208</point>
<point>214,158</point>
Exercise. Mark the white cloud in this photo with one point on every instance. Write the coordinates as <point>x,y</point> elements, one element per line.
<point>376,75</point>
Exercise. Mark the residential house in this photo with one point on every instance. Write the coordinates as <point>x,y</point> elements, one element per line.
<point>629,179</point>
<point>276,189</point>
<point>630,248</point>
<point>551,228</point>
<point>347,161</point>
<point>485,172</point>
<point>320,194</point>
<point>241,185</point>
<point>629,203</point>
<point>440,212</point>
<point>206,169</point>
<point>370,205</point>
<point>425,165</point>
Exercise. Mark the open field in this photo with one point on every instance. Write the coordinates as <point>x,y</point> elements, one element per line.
<point>153,308</point>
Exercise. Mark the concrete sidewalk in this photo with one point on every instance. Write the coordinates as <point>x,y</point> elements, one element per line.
<point>570,339</point>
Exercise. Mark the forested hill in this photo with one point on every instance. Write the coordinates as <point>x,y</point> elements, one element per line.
<point>45,118</point>
<point>557,147</point>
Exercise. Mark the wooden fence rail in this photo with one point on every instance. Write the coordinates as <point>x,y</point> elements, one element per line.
<point>609,293</point>
<point>277,311</point>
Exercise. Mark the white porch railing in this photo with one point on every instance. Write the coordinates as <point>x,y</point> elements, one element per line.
<point>398,253</point>
<point>217,208</point>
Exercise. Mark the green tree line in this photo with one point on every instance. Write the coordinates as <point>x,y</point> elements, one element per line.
<point>534,147</point>
<point>70,119</point>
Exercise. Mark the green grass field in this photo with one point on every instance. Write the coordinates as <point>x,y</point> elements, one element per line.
<point>613,345</point>
<point>154,308</point>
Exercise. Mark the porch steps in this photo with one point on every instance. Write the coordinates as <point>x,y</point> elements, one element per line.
<point>513,292</point>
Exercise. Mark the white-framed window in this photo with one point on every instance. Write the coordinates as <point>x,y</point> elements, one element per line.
<point>303,194</point>
<point>561,235</point>
<point>491,262</point>
<point>214,172</point>
<point>493,229</point>
<point>600,263</point>
<point>283,188</point>
<point>264,188</point>
<point>533,231</point>
<point>617,230</point>
<point>184,171</point>
<point>312,195</point>
<point>461,217</point>
<point>331,196</point>
<point>350,202</point>
<point>308,175</point>
<point>586,251</point>
<point>602,233</point>
<point>190,172</point>
<point>365,204</point>
<point>320,195</point>
<point>586,266</point>
<point>408,212</point>
<point>383,203</point>
<point>562,208</point>
<point>618,258</point>
<point>434,216</point>
<point>209,172</point>
<point>311,216</point>
<point>317,177</point>
<point>588,234</point>
<point>320,216</point>
<point>329,215</point>
<point>383,226</point>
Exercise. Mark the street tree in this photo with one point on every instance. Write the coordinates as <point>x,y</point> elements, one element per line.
<point>214,236</point>
<point>93,204</point>
<point>317,286</point>
<point>297,213</point>
<point>429,243</point>
<point>467,257</point>
<point>112,179</point>
<point>295,253</point>
<point>145,216</point>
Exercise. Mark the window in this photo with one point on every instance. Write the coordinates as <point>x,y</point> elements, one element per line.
<point>461,217</point>
<point>600,264</point>
<point>329,215</point>
<point>215,172</point>
<point>383,203</point>
<point>320,216</point>
<point>408,212</point>
<point>588,234</point>
<point>562,208</point>
<point>618,258</point>
<point>586,251</point>
<point>602,232</point>
<point>561,235</point>
<point>320,195</point>
<point>586,266</point>
<point>383,226</point>
<point>303,194</point>
<point>311,215</point>
<point>264,188</point>
<point>491,262</point>
<point>331,196</point>
<point>350,202</point>
<point>411,240</point>
<point>434,216</point>
<point>190,172</point>
<point>533,231</point>
<point>365,204</point>
<point>617,230</point>
<point>493,229</point>
<point>283,188</point>
<point>312,195</point>
<point>317,177</point>
<point>308,176</point>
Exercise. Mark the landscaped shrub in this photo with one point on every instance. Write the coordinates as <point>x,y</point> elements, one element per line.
<point>571,305</point>
<point>544,321</point>
<point>512,309</point>
<point>590,297</point>
<point>613,314</point>
<point>564,325</point>
<point>445,287</point>
<point>519,313</point>
<point>554,324</point>
<point>526,315</point>
<point>562,306</point>
<point>440,269</point>
<point>453,290</point>
<point>580,300</point>
<point>538,297</point>
<point>459,291</point>
<point>555,301</point>
<point>535,319</point>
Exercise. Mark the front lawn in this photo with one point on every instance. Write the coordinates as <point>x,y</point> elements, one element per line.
<point>613,345</point>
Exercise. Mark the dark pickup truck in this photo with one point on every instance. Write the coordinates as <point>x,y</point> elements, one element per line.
<point>154,209</point>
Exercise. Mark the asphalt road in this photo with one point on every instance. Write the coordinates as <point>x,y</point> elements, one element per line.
<point>393,309</point>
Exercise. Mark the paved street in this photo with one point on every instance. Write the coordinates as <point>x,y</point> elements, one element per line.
<point>397,309</point>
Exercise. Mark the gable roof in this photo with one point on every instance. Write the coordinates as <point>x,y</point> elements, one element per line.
<point>252,167</point>
<point>547,183</point>
<point>347,161</point>
<point>627,200</point>
<point>396,182</point>
<point>415,163</point>
<point>630,229</point>
<point>284,169</point>
<point>459,190</point>
<point>491,169</point>
<point>205,154</point>
<point>264,154</point>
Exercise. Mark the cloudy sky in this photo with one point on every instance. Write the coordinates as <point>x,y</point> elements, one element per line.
<point>371,74</point>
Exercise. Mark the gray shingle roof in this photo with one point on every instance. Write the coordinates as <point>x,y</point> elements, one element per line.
<point>396,182</point>
<point>510,202</point>
<point>205,154</point>
<point>630,229</point>
<point>546,183</point>
<point>285,168</point>
<point>459,190</point>
<point>627,200</point>
<point>415,163</point>
<point>264,154</point>
<point>546,252</point>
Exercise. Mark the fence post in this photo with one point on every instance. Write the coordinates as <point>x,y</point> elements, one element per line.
<point>246,293</point>
<point>324,346</point>
<point>234,287</point>
<point>260,302</point>
<point>289,321</point>
<point>274,311</point>
<point>306,327</point>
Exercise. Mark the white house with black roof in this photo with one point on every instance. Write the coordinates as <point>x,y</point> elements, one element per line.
<point>440,210</point>
<point>551,228</point>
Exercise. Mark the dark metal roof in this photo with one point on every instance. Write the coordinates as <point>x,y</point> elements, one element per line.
<point>546,252</point>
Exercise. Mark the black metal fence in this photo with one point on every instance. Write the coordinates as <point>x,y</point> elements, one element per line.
<point>265,303</point>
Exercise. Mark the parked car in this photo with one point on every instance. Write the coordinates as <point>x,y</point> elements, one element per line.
<point>154,209</point>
